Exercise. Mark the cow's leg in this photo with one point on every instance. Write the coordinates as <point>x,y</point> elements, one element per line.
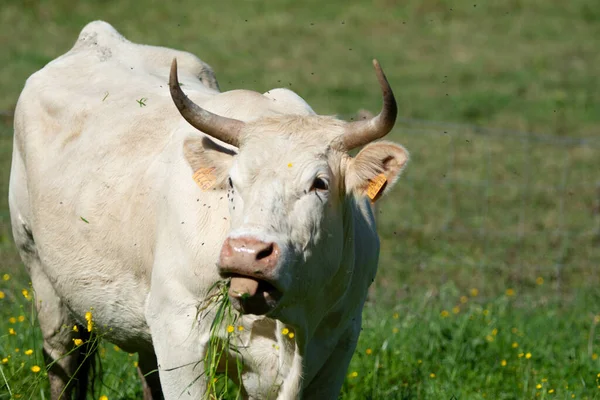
<point>179,342</point>
<point>329,380</point>
<point>57,330</point>
<point>148,373</point>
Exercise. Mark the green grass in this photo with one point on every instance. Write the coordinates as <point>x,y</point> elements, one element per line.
<point>438,344</point>
<point>22,371</point>
<point>485,210</point>
<point>448,343</point>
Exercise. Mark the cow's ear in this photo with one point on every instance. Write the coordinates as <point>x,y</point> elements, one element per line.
<point>375,169</point>
<point>210,162</point>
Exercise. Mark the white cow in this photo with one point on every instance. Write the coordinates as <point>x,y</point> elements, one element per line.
<point>108,218</point>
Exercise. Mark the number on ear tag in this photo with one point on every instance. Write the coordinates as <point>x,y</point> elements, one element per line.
<point>204,178</point>
<point>375,186</point>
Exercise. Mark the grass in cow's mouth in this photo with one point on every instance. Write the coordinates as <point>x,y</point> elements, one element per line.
<point>222,341</point>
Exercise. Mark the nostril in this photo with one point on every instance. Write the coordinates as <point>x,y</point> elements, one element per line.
<point>264,253</point>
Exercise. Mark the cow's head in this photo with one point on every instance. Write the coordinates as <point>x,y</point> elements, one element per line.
<point>290,188</point>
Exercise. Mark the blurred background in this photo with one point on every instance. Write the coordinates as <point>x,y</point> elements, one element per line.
<point>488,277</point>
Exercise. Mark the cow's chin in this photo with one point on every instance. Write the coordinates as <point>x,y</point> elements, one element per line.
<point>252,296</point>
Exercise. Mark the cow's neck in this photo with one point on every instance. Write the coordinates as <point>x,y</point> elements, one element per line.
<point>335,312</point>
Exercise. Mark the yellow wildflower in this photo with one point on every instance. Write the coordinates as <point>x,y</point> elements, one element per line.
<point>456,310</point>
<point>4,360</point>
<point>21,318</point>
<point>474,292</point>
<point>11,331</point>
<point>12,320</point>
<point>395,330</point>
<point>78,342</point>
<point>594,356</point>
<point>354,374</point>
<point>240,328</point>
<point>135,364</point>
<point>528,356</point>
<point>551,391</point>
<point>28,352</point>
<point>544,380</point>
<point>538,386</point>
<point>90,323</point>
<point>432,375</point>
<point>539,280</point>
<point>17,350</point>
<point>116,348</point>
<point>25,293</point>
<point>289,165</point>
<point>510,292</point>
<point>521,355</point>
<point>103,397</point>
<point>444,314</point>
<point>464,299</point>
<point>489,338</point>
<point>5,277</point>
<point>285,331</point>
<point>515,345</point>
<point>75,328</point>
<point>369,351</point>
<point>230,329</point>
<point>2,295</point>
<point>395,316</point>
<point>419,361</point>
<point>503,363</point>
<point>486,312</point>
<point>495,331</point>
<point>291,335</point>
<point>36,369</point>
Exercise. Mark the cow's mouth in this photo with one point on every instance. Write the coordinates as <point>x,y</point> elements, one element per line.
<point>250,295</point>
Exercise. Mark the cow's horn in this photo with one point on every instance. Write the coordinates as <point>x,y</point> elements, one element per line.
<point>222,128</point>
<point>359,133</point>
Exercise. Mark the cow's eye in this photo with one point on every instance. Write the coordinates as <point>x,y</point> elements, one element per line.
<point>319,184</point>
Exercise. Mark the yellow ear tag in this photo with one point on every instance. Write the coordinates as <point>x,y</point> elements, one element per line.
<point>204,178</point>
<point>375,186</point>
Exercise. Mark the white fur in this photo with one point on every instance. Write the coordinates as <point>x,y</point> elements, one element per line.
<point>86,148</point>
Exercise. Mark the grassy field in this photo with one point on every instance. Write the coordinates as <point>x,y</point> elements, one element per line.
<point>488,280</point>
